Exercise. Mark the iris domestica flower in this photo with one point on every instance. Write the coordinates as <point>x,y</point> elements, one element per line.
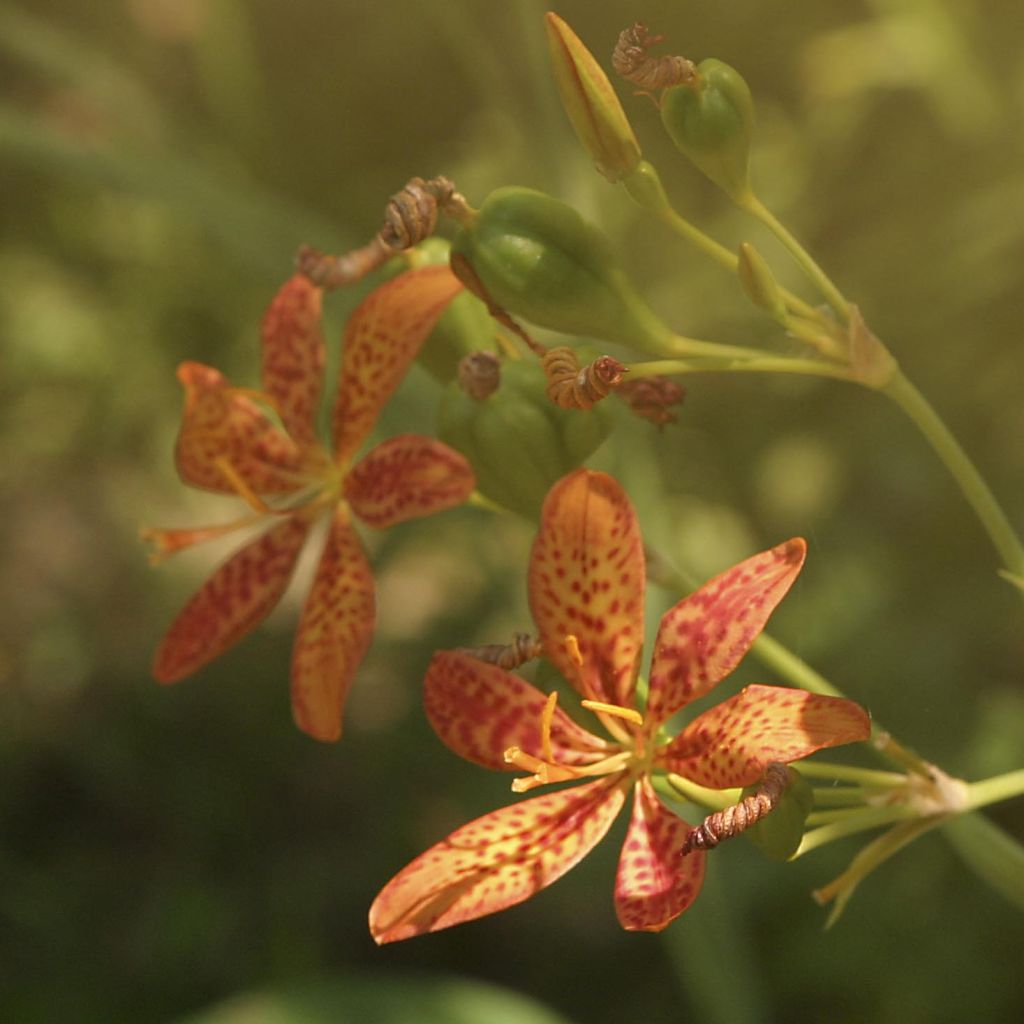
<point>586,590</point>
<point>230,443</point>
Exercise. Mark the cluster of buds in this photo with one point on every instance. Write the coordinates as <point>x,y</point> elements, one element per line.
<point>517,421</point>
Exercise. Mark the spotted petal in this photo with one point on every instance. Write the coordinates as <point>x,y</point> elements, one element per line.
<point>406,477</point>
<point>293,356</point>
<point>231,603</point>
<point>382,338</point>
<point>497,861</point>
<point>704,637</point>
<point>587,579</point>
<point>225,435</point>
<point>732,743</point>
<point>334,632</point>
<point>479,711</point>
<point>655,882</point>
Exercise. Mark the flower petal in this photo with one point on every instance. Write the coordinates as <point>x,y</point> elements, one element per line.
<point>382,338</point>
<point>732,743</point>
<point>293,356</point>
<point>406,477</point>
<point>655,882</point>
<point>587,579</point>
<point>479,711</point>
<point>334,632</point>
<point>231,603</point>
<point>704,637</point>
<point>167,542</point>
<point>222,426</point>
<point>496,861</point>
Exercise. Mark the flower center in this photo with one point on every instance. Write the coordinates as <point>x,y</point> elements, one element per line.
<point>547,768</point>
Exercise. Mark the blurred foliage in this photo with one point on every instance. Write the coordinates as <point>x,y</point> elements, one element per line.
<point>377,1000</point>
<point>160,161</point>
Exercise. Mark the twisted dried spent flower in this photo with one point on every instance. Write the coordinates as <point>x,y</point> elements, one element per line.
<point>410,217</point>
<point>630,59</point>
<point>479,374</point>
<point>523,648</point>
<point>722,825</point>
<point>571,386</point>
<point>651,398</point>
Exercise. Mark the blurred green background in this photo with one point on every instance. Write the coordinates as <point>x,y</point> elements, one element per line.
<point>164,849</point>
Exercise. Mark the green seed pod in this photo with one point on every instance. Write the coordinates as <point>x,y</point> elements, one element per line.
<point>711,120</point>
<point>537,258</point>
<point>777,835</point>
<point>518,441</point>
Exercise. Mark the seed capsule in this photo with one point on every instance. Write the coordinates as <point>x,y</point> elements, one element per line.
<point>711,120</point>
<point>737,819</point>
<point>517,440</point>
<point>537,258</point>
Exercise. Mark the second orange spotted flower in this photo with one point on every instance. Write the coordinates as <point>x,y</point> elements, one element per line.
<point>229,444</point>
<point>586,588</point>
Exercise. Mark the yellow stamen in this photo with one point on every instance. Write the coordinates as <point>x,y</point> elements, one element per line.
<point>543,772</point>
<point>168,542</point>
<point>545,725</point>
<point>572,645</point>
<point>629,714</point>
<point>241,488</point>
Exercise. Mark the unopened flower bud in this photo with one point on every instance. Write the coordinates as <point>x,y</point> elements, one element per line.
<point>759,282</point>
<point>588,98</point>
<point>711,120</point>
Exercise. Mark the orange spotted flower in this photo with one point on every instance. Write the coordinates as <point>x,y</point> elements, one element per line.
<point>586,590</point>
<point>228,443</point>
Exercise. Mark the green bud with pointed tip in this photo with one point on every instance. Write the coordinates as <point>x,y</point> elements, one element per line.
<point>759,282</point>
<point>711,120</point>
<point>517,440</point>
<point>538,259</point>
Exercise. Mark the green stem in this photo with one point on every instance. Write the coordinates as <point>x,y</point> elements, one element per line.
<point>852,822</point>
<point>868,859</point>
<point>726,257</point>
<point>999,787</point>
<point>842,822</point>
<point>844,796</point>
<point>683,347</point>
<point>850,773</point>
<point>702,796</point>
<point>755,362</point>
<point>974,488</point>
<point>648,192</point>
<point>777,656</point>
<point>644,186</point>
<point>752,205</point>
<point>898,388</point>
